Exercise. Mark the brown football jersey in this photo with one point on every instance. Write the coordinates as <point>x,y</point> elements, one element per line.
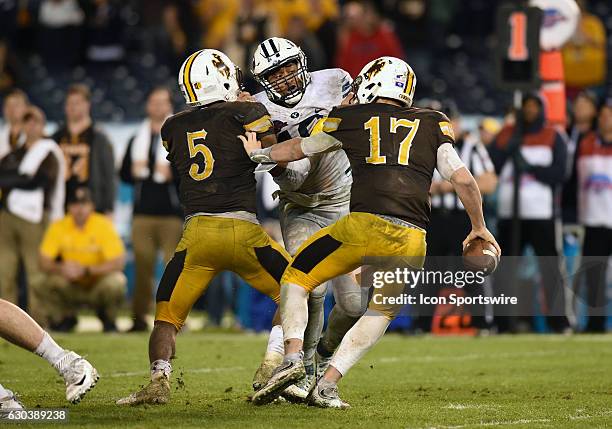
<point>393,154</point>
<point>215,173</point>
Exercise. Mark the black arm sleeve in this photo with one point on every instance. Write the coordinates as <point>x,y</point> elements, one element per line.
<point>125,173</point>
<point>45,175</point>
<point>554,174</point>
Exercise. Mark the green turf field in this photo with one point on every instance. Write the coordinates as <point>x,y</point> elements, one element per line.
<point>405,382</point>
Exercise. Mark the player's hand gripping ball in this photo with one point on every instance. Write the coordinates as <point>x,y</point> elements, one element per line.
<point>480,255</point>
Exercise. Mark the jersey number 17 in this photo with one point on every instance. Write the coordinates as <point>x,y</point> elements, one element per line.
<point>373,125</point>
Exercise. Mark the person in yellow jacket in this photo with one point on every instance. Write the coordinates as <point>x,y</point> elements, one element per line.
<point>83,257</point>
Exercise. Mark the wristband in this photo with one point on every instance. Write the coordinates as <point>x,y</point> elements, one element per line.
<point>261,156</point>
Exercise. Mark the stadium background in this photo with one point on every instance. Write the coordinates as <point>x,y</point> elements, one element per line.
<point>123,49</point>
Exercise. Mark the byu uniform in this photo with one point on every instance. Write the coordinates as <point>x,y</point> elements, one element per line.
<point>314,192</point>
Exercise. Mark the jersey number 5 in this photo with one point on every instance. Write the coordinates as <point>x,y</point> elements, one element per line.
<point>373,125</point>
<point>199,148</point>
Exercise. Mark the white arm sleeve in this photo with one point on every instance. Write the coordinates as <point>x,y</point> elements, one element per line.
<point>320,143</point>
<point>448,161</point>
<point>294,175</point>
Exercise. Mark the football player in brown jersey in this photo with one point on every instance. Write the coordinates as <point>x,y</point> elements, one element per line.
<point>217,191</point>
<point>393,150</point>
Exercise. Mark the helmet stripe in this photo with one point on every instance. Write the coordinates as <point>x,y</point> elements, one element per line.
<point>273,46</point>
<point>408,88</point>
<point>187,79</point>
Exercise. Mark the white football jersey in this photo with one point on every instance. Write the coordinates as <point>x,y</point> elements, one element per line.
<point>329,177</point>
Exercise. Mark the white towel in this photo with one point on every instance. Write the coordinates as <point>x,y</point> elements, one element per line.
<point>5,143</point>
<point>29,204</point>
<point>140,155</point>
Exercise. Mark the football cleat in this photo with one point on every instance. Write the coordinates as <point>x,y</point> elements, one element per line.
<point>322,364</point>
<point>9,402</point>
<point>299,391</point>
<point>264,372</point>
<point>284,375</point>
<point>79,375</point>
<point>327,397</point>
<point>157,392</point>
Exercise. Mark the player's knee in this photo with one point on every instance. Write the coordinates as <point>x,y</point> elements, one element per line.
<point>318,294</point>
<point>352,305</point>
<point>388,311</point>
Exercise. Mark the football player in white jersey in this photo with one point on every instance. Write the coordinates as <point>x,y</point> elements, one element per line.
<point>314,192</point>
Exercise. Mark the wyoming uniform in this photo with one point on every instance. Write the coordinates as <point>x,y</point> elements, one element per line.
<point>217,190</point>
<point>393,150</point>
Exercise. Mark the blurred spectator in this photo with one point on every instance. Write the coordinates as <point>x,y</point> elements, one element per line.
<point>174,37</point>
<point>531,156</point>
<point>104,33</point>
<point>320,18</point>
<point>364,37</point>
<point>413,28</point>
<point>299,34</point>
<point>488,129</point>
<point>595,202</point>
<point>60,34</point>
<point>83,257</point>
<point>13,109</point>
<point>584,56</point>
<point>217,17</point>
<point>9,68</point>
<point>158,222</point>
<point>252,25</point>
<point>88,153</point>
<point>31,179</point>
<point>584,115</point>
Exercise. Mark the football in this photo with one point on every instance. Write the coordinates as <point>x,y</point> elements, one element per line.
<point>480,255</point>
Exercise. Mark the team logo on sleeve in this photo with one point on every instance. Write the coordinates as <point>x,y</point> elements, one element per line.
<point>447,129</point>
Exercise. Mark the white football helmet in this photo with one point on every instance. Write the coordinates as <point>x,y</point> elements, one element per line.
<point>387,77</point>
<point>273,53</point>
<point>207,76</point>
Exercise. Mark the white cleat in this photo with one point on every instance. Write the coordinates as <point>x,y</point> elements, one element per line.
<point>264,372</point>
<point>284,375</point>
<point>8,403</point>
<point>327,397</point>
<point>79,375</point>
<point>299,391</point>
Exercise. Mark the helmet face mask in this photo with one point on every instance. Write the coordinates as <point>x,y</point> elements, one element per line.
<point>208,76</point>
<point>279,65</point>
<point>385,77</point>
<point>285,82</point>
